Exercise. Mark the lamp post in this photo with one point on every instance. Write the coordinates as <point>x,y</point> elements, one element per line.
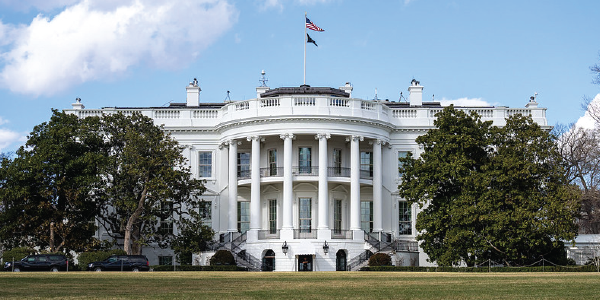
<point>284,248</point>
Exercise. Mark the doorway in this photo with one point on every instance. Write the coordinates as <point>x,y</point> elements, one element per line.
<point>340,260</point>
<point>268,262</point>
<point>305,263</point>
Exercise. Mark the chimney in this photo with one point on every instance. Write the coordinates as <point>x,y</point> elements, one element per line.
<point>347,88</point>
<point>415,93</point>
<point>193,93</point>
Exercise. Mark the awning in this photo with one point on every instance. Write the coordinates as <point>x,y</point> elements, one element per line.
<point>305,248</point>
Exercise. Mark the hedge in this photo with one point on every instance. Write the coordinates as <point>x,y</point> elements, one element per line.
<point>482,269</point>
<point>199,268</point>
<point>16,254</point>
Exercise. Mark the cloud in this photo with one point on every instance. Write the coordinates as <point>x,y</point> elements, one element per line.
<point>464,102</point>
<point>2,121</point>
<point>9,138</point>
<point>587,122</point>
<point>99,39</point>
<point>278,4</point>
<point>43,5</point>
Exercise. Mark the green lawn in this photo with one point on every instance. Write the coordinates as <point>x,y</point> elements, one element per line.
<point>321,285</point>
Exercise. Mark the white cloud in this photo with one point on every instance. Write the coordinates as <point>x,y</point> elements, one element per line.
<point>98,39</point>
<point>2,121</point>
<point>464,102</point>
<point>278,4</point>
<point>44,5</point>
<point>9,137</point>
<point>587,122</point>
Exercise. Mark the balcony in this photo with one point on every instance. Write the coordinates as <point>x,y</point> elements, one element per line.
<point>306,171</point>
<point>268,234</point>
<point>341,234</point>
<point>305,234</point>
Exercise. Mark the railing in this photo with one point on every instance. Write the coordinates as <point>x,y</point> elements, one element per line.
<point>366,105</point>
<point>268,234</point>
<point>515,111</point>
<point>304,101</point>
<point>404,113</point>
<point>166,114</point>
<point>205,114</point>
<point>406,246</point>
<point>244,174</point>
<point>269,102</point>
<point>307,171</point>
<point>341,234</point>
<point>338,172</point>
<point>248,260</point>
<point>305,234</point>
<point>242,105</point>
<point>359,260</point>
<point>380,241</point>
<point>271,172</point>
<point>339,102</point>
<point>366,174</point>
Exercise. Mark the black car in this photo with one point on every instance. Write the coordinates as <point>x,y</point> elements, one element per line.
<point>39,262</point>
<point>121,263</point>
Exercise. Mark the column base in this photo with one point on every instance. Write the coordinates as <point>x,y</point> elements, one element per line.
<point>252,235</point>
<point>324,234</point>
<point>286,234</point>
<point>358,235</point>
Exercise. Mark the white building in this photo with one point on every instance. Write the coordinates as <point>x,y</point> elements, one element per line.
<point>305,177</point>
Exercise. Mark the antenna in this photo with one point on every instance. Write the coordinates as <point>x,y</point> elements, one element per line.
<point>375,99</point>
<point>227,99</point>
<point>401,97</point>
<point>263,80</point>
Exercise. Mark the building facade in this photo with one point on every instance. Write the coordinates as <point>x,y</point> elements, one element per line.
<point>304,178</point>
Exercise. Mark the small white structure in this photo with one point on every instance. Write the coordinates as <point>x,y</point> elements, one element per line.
<point>304,178</point>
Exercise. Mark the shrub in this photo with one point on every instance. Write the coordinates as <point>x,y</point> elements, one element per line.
<point>198,268</point>
<point>16,253</point>
<point>380,259</point>
<point>87,257</point>
<point>222,257</point>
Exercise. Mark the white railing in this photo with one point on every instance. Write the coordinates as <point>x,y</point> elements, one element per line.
<point>304,101</point>
<point>339,102</point>
<point>242,105</point>
<point>166,114</point>
<point>269,102</point>
<point>205,114</point>
<point>364,104</point>
<point>404,113</point>
<point>514,111</point>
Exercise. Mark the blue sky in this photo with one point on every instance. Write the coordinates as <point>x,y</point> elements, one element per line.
<point>138,53</point>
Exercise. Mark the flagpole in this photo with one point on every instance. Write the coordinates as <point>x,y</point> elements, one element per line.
<point>304,81</point>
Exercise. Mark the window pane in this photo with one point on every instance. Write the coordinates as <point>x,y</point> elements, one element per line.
<point>205,211</point>
<point>366,216</point>
<point>337,216</point>
<point>404,218</point>
<point>273,162</point>
<point>366,164</point>
<point>401,154</point>
<point>305,214</point>
<point>337,161</point>
<point>273,216</point>
<point>243,216</point>
<point>304,160</point>
<point>205,164</point>
<point>243,167</point>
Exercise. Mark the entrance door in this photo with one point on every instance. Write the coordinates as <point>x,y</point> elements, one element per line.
<point>268,263</point>
<point>340,260</point>
<point>305,263</point>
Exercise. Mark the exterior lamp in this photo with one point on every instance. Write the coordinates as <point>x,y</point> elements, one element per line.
<point>325,248</point>
<point>285,247</point>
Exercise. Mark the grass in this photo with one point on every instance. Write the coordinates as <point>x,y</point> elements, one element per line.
<point>322,285</point>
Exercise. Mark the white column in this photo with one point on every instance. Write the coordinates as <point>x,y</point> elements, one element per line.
<point>232,224</point>
<point>255,184</point>
<point>323,187</point>
<point>355,182</point>
<point>288,193</point>
<point>377,173</point>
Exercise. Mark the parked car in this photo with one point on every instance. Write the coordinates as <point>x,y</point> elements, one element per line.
<point>39,262</point>
<point>133,263</point>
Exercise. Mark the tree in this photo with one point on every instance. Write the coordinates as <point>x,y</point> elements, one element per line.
<point>489,192</point>
<point>46,190</point>
<point>193,237</point>
<point>579,150</point>
<point>146,181</point>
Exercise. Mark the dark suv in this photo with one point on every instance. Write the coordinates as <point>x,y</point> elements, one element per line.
<point>121,263</point>
<point>39,262</point>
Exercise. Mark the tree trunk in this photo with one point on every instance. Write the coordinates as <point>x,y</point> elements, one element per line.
<point>127,246</point>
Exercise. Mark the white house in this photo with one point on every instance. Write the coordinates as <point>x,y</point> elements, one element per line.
<point>305,178</point>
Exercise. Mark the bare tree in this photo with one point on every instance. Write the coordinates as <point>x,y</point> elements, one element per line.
<point>581,155</point>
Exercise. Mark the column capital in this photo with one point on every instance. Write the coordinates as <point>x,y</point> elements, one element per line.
<point>319,136</point>
<point>255,138</point>
<point>379,142</point>
<point>284,136</point>
<point>227,143</point>
<point>355,138</point>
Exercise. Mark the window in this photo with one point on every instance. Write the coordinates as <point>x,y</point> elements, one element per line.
<point>165,260</point>
<point>305,214</point>
<point>401,154</point>
<point>205,164</point>
<point>304,160</point>
<point>337,162</point>
<point>272,216</point>
<point>243,216</point>
<point>404,218</point>
<point>337,216</point>
<point>273,162</point>
<point>366,216</point>
<point>166,217</point>
<point>205,212</point>
<point>243,167</point>
<point>366,164</point>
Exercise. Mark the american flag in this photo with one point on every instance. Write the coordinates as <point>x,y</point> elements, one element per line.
<point>310,25</point>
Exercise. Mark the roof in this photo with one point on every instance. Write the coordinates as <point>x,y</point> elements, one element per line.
<point>304,90</point>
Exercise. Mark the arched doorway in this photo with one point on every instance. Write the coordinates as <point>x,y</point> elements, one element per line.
<point>340,260</point>
<point>268,261</point>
